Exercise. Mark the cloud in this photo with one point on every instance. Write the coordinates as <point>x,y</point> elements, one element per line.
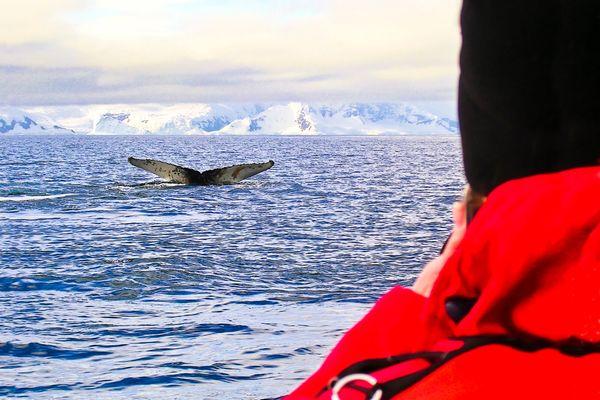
<point>226,50</point>
<point>25,21</point>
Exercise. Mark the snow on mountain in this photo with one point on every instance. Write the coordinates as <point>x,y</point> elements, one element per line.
<point>17,121</point>
<point>379,119</point>
<point>139,119</point>
<point>292,118</point>
<point>349,119</point>
<point>170,120</point>
<point>288,119</point>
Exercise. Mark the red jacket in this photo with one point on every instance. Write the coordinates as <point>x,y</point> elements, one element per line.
<point>526,283</point>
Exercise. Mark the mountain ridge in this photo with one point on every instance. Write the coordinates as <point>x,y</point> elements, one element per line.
<point>17,121</point>
<point>290,118</point>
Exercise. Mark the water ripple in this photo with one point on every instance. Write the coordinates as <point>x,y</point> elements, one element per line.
<point>180,331</point>
<point>44,350</point>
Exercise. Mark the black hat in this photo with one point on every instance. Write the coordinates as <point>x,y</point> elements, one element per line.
<point>529,92</point>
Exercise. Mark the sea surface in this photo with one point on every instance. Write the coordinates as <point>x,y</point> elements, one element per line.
<point>116,285</point>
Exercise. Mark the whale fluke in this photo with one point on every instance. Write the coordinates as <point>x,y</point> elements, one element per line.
<point>188,176</point>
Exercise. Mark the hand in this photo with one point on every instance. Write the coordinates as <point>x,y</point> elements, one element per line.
<point>429,274</point>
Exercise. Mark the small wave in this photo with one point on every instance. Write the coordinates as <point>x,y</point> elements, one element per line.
<point>43,350</point>
<point>18,391</point>
<point>35,198</point>
<point>279,356</point>
<point>181,331</point>
<point>9,284</point>
<point>156,184</point>
<point>178,379</point>
<point>256,302</point>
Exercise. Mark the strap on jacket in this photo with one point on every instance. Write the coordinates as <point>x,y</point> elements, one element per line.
<point>437,359</point>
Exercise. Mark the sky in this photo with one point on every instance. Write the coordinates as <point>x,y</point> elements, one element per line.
<point>140,51</point>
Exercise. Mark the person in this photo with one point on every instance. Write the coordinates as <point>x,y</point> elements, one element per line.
<point>511,308</point>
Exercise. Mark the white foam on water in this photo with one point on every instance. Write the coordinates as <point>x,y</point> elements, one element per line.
<point>35,198</point>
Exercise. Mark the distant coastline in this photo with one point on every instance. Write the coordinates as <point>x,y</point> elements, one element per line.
<point>290,118</point>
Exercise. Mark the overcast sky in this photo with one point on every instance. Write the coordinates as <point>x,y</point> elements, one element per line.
<point>121,51</point>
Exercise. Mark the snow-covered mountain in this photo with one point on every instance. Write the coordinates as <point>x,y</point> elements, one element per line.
<point>170,120</point>
<point>292,118</point>
<point>18,121</point>
<point>286,119</point>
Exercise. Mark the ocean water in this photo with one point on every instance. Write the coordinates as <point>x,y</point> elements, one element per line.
<point>115,285</point>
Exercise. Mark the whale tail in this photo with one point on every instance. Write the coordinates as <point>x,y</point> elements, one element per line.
<point>188,176</point>
<point>170,172</point>
<point>236,173</point>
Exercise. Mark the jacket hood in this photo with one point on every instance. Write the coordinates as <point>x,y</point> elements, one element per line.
<point>530,262</point>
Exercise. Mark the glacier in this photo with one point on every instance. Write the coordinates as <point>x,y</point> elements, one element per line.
<point>289,118</point>
<point>17,121</point>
